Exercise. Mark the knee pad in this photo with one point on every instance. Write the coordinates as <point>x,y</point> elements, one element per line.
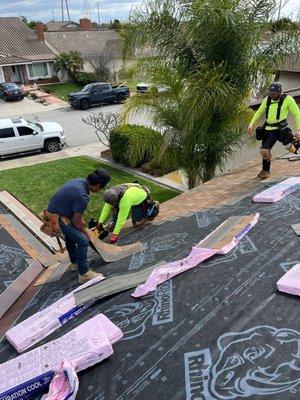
<point>266,154</point>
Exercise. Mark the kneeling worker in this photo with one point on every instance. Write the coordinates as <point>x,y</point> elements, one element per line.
<point>67,206</point>
<point>276,108</point>
<point>119,200</point>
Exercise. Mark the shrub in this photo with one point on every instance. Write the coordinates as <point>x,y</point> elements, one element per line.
<point>83,78</point>
<point>134,145</point>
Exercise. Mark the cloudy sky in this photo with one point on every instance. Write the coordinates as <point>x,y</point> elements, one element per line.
<point>109,9</point>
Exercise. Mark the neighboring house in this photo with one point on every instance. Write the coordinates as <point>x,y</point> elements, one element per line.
<point>89,43</point>
<point>24,57</point>
<point>66,26</point>
<point>289,74</point>
<point>56,26</point>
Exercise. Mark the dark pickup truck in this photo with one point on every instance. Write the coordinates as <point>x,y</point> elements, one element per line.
<point>98,93</point>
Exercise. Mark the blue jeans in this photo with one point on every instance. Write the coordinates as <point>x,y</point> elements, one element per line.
<point>77,245</point>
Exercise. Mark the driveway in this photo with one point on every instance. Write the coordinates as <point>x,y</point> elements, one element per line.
<point>15,108</point>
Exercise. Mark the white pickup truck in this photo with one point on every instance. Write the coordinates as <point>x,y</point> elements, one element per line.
<point>17,135</point>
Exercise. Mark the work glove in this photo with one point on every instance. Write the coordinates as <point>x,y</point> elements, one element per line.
<point>250,129</point>
<point>99,227</point>
<point>113,239</point>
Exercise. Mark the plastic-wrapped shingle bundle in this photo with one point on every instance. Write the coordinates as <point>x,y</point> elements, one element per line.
<point>220,241</point>
<point>290,281</point>
<point>31,373</point>
<point>40,325</point>
<point>278,191</point>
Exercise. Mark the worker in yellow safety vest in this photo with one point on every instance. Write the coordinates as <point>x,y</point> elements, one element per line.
<point>276,107</point>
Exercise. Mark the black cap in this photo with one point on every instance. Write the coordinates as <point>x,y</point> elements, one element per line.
<point>275,87</point>
<point>99,177</point>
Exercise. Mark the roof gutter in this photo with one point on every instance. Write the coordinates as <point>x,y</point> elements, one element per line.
<point>26,63</point>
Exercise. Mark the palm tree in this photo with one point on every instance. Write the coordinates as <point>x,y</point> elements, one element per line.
<point>71,63</point>
<point>210,55</point>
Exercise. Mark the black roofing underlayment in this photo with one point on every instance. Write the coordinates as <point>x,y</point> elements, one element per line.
<point>218,331</point>
<point>13,259</point>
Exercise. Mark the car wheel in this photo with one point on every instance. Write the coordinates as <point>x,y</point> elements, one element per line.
<point>84,104</point>
<point>121,98</point>
<point>52,146</point>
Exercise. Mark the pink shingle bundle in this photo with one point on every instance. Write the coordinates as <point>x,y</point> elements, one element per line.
<point>30,373</point>
<point>279,191</point>
<point>290,281</point>
<point>198,254</point>
<point>40,325</point>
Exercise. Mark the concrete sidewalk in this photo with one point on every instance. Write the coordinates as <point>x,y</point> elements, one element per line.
<point>91,150</point>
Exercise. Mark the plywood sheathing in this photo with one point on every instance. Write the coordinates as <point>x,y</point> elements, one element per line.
<point>28,219</point>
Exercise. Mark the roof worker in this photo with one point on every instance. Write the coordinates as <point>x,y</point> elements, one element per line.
<point>276,107</point>
<point>119,201</point>
<point>69,204</point>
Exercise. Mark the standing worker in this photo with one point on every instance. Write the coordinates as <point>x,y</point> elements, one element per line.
<point>68,206</point>
<point>119,200</point>
<point>276,108</point>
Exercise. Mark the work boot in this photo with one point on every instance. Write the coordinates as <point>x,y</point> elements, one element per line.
<point>88,276</point>
<point>74,266</point>
<point>263,174</point>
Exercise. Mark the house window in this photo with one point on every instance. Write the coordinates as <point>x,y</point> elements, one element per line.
<point>38,70</point>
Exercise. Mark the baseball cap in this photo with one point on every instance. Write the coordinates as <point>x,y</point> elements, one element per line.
<point>99,177</point>
<point>275,87</point>
<point>110,196</point>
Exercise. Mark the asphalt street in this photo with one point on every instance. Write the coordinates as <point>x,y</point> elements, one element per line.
<point>78,133</point>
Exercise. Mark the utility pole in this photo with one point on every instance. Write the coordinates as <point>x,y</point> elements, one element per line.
<point>62,10</point>
<point>67,7</point>
<point>98,12</point>
<point>279,9</point>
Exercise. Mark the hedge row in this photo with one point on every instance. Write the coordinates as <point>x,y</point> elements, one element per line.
<point>134,145</point>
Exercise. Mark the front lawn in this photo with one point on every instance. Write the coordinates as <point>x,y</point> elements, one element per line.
<point>35,184</point>
<point>61,90</point>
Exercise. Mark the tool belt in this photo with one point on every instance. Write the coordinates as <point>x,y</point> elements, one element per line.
<point>280,125</point>
<point>51,226</point>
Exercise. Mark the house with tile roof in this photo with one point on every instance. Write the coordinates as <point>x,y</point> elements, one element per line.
<point>87,41</point>
<point>24,56</point>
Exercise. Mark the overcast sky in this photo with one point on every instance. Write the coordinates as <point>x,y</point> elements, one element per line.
<point>109,9</point>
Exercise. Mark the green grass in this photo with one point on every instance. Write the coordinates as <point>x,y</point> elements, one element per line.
<point>34,185</point>
<point>61,90</point>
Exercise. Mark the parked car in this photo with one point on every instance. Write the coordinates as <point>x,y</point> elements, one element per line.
<point>11,91</point>
<point>145,87</point>
<point>98,93</point>
<point>17,135</point>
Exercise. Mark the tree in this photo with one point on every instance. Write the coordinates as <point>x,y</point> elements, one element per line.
<point>115,24</point>
<point>284,24</point>
<point>30,24</point>
<point>211,55</point>
<point>102,62</point>
<point>103,124</point>
<point>71,63</point>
